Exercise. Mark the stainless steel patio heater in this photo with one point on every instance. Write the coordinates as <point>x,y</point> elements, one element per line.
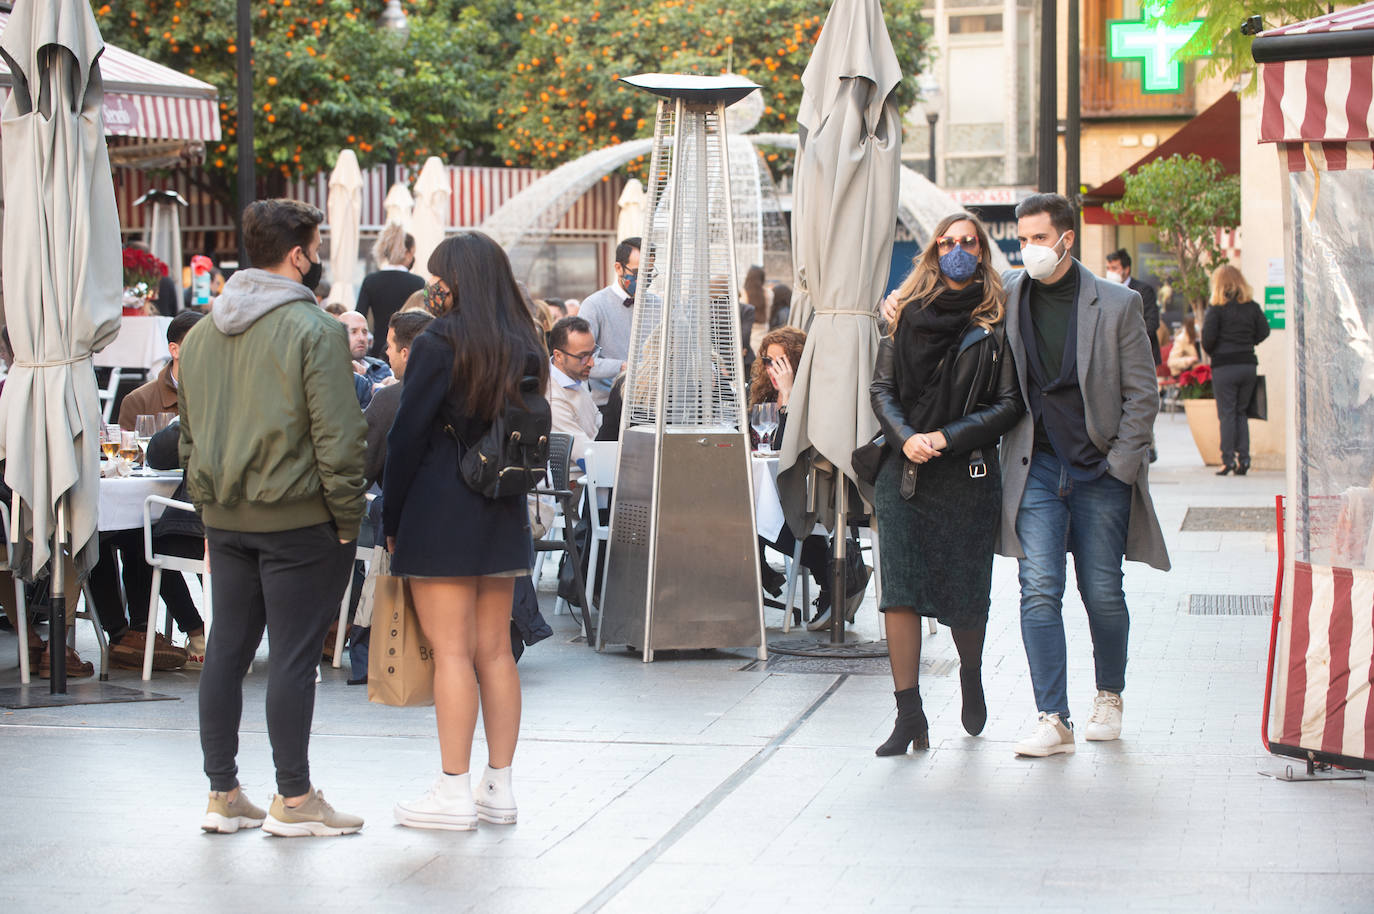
<point>682,570</point>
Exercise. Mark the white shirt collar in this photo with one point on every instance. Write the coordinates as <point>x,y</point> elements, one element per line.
<point>561,379</point>
<point>396,266</point>
<point>619,290</point>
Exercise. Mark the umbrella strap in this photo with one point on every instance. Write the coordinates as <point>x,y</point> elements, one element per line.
<point>872,314</point>
<point>72,361</point>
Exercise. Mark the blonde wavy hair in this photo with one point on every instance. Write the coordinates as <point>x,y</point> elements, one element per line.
<point>1228,284</point>
<point>925,280</point>
<point>392,245</point>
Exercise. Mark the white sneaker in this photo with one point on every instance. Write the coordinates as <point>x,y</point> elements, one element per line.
<point>447,805</point>
<point>494,799</point>
<point>1050,737</point>
<point>1105,722</point>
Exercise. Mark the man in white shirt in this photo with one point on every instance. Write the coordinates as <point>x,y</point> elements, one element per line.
<point>573,350</point>
<point>608,315</point>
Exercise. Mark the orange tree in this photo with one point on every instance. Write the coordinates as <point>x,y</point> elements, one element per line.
<point>561,98</point>
<point>325,77</point>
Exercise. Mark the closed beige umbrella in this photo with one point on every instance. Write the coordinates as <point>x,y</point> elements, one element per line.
<point>843,220</point>
<point>63,278</point>
<point>345,206</point>
<point>429,219</point>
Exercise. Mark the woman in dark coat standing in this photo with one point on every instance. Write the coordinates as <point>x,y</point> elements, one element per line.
<point>944,390</point>
<point>460,550</point>
<point>1231,329</point>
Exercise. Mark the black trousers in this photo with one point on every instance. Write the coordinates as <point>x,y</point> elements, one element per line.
<point>121,556</point>
<point>1233,386</point>
<point>289,583</point>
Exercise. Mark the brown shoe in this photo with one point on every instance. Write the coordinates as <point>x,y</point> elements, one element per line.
<point>76,667</point>
<point>128,653</point>
<point>329,641</point>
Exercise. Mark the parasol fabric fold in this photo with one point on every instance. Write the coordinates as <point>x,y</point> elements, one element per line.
<point>430,218</point>
<point>345,205</point>
<point>63,274</point>
<point>398,205</point>
<point>844,218</point>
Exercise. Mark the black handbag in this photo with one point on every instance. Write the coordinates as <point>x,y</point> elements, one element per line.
<point>1258,407</point>
<point>510,457</point>
<point>867,458</point>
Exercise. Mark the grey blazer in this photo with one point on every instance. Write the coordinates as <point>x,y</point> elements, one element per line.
<point>1117,376</point>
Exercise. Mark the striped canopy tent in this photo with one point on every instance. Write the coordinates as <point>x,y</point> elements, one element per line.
<point>1318,108</point>
<point>147,100</point>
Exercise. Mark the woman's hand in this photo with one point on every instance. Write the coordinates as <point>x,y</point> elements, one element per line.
<point>889,307</point>
<point>919,448</point>
<point>391,544</point>
<point>780,373</point>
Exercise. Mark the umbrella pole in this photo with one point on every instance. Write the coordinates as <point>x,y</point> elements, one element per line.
<point>838,593</point>
<point>57,620</point>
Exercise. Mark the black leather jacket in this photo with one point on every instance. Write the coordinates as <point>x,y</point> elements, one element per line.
<point>985,377</point>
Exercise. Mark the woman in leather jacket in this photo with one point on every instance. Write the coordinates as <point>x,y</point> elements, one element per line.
<point>944,391</point>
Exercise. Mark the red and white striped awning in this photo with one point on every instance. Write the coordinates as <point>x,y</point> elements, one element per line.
<point>1317,79</point>
<point>146,99</point>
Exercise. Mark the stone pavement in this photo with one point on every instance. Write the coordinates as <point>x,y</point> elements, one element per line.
<point>705,782</point>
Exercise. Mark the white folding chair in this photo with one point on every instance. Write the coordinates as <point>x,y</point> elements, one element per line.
<point>364,554</point>
<point>601,458</point>
<point>107,394</point>
<point>21,612</point>
<point>161,563</point>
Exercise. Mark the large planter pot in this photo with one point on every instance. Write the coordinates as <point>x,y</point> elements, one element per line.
<point>1206,429</point>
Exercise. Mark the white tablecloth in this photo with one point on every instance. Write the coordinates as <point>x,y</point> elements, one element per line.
<point>768,519</point>
<point>121,500</point>
<point>141,344</point>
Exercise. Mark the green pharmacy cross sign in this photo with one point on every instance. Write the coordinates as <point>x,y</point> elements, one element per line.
<point>1155,44</point>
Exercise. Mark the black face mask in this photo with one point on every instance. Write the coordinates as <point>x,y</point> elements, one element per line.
<point>311,280</point>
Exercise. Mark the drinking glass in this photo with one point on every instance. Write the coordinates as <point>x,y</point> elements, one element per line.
<point>764,419</point>
<point>164,420</point>
<point>128,447</point>
<point>144,428</point>
<point>109,441</point>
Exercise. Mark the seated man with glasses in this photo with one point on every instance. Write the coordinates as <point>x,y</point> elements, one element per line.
<point>573,351</point>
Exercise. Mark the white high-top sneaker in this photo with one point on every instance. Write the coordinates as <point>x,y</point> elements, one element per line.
<point>1105,722</point>
<point>493,797</point>
<point>447,805</point>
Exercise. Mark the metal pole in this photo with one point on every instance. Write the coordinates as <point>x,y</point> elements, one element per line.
<point>1073,127</point>
<point>247,177</point>
<point>57,619</point>
<point>1048,139</point>
<point>930,167</point>
<point>838,591</point>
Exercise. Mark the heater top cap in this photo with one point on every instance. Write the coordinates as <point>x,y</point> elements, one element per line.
<point>726,89</point>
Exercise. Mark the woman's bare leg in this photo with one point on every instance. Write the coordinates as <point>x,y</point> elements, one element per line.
<point>447,608</point>
<point>498,682</point>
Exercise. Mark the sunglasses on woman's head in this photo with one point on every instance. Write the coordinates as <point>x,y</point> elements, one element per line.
<point>946,243</point>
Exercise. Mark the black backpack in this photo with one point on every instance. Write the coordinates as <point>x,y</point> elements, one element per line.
<point>511,456</point>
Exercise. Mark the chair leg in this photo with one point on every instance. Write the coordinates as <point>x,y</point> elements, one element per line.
<point>206,602</point>
<point>151,635</point>
<point>592,557</point>
<point>343,621</point>
<point>100,638</point>
<point>570,544</point>
<point>793,569</point>
<point>21,616</point>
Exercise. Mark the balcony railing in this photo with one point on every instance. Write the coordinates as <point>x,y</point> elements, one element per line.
<point>1112,89</point>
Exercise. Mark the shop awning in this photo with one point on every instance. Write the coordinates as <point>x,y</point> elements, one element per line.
<point>145,99</point>
<point>1213,134</point>
<point>1318,83</point>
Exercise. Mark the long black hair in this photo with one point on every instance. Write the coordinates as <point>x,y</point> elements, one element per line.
<point>487,324</point>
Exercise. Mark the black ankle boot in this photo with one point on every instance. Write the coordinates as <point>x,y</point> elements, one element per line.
<point>911,725</point>
<point>975,711</point>
<point>1242,467</point>
<point>1227,469</point>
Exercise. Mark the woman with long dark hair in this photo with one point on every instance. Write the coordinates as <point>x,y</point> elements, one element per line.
<point>461,551</point>
<point>944,391</point>
<point>1231,328</point>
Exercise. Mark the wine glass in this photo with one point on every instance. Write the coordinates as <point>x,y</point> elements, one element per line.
<point>128,447</point>
<point>144,429</point>
<point>764,419</point>
<point>109,441</point>
<point>164,420</point>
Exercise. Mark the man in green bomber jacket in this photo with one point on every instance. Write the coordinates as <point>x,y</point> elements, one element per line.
<point>273,445</point>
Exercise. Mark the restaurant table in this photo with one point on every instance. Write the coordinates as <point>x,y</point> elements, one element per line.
<point>768,518</point>
<point>141,345</point>
<point>122,497</point>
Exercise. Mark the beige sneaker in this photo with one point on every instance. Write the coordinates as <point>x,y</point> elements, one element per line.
<point>227,816</point>
<point>195,652</point>
<point>1050,737</point>
<point>313,818</point>
<point>1105,722</point>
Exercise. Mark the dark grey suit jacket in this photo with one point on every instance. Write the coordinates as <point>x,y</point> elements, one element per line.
<point>379,414</point>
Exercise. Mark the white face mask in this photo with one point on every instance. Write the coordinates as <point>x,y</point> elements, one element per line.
<point>1115,276</point>
<point>1041,261</point>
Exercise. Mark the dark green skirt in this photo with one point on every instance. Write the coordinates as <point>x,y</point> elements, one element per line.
<point>936,549</point>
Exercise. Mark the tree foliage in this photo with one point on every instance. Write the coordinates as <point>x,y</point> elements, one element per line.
<point>1220,32</point>
<point>1188,200</point>
<point>325,77</point>
<point>561,96</point>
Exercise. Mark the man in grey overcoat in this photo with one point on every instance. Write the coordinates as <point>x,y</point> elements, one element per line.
<point>1075,468</point>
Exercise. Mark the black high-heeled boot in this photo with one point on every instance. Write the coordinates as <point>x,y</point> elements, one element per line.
<point>911,725</point>
<point>1227,469</point>
<point>975,710</point>
<point>1242,467</point>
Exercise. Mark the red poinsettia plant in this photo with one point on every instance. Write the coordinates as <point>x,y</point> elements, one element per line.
<point>1196,384</point>
<point>142,267</point>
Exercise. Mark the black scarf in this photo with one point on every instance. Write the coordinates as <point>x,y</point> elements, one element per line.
<point>927,342</point>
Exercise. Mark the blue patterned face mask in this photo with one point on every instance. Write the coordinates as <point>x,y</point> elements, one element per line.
<point>959,265</point>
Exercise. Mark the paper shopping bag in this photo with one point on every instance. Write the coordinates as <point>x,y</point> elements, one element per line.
<point>400,665</point>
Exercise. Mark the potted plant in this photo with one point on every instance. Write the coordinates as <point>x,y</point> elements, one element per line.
<point>142,272</point>
<point>1200,405</point>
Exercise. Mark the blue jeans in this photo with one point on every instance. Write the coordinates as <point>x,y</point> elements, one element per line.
<point>1059,515</point>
